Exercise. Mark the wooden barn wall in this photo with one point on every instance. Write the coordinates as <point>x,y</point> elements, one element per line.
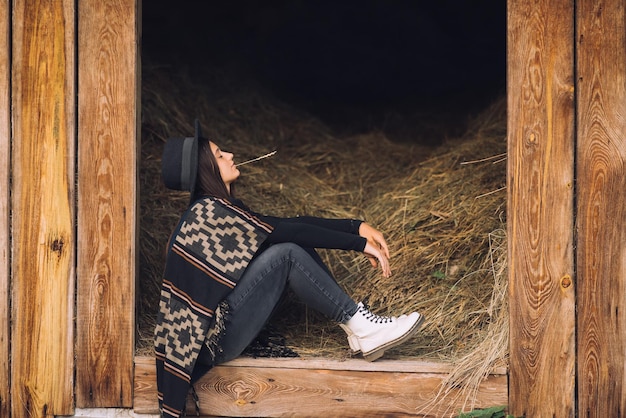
<point>541,142</point>
<point>108,101</point>
<point>601,212</point>
<point>567,240</point>
<point>5,144</point>
<point>43,211</point>
<point>69,82</point>
<point>68,205</point>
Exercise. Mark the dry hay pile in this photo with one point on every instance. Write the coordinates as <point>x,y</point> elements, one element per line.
<point>442,211</point>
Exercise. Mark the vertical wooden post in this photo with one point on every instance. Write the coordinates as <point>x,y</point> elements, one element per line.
<point>43,238</point>
<point>540,66</point>
<point>108,103</point>
<point>601,201</point>
<point>5,152</point>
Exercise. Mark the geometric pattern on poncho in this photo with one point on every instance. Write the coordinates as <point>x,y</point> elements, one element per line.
<point>211,249</point>
<point>180,333</point>
<point>214,234</point>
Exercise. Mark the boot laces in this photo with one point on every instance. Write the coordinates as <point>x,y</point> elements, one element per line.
<point>377,319</point>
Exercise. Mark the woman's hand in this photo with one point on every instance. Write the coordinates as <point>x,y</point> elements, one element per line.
<point>372,234</point>
<point>377,257</point>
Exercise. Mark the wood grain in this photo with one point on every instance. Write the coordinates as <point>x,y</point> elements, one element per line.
<point>601,214</point>
<point>108,103</point>
<point>540,216</point>
<point>406,365</point>
<point>43,215</point>
<point>312,387</point>
<point>5,148</point>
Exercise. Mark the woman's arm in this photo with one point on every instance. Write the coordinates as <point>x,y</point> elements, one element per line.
<point>346,234</point>
<point>350,226</point>
<point>313,236</point>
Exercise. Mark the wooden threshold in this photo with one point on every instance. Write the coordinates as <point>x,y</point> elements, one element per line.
<point>309,387</point>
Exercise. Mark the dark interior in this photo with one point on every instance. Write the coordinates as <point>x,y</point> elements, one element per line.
<point>357,65</point>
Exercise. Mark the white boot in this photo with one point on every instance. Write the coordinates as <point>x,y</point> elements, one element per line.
<point>353,341</point>
<point>373,334</point>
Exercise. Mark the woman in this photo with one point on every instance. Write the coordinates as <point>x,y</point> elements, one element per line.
<point>228,266</point>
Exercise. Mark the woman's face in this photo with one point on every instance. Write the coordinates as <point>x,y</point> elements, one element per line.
<point>228,169</point>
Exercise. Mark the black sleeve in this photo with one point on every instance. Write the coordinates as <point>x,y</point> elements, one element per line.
<point>350,226</point>
<point>311,232</point>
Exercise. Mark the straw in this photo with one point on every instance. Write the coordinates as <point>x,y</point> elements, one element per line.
<point>262,157</point>
<point>439,208</point>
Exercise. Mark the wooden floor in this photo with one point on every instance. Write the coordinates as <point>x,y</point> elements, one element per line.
<point>317,387</point>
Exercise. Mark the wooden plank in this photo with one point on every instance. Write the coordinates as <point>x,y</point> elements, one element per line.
<point>409,365</point>
<point>601,197</point>
<point>305,387</point>
<point>5,152</point>
<point>108,102</point>
<point>540,216</point>
<point>43,238</point>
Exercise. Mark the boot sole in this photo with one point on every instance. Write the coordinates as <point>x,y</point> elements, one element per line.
<point>380,351</point>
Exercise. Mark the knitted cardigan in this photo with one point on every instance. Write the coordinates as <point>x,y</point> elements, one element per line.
<point>210,249</point>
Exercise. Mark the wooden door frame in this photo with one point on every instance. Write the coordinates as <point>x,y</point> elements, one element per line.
<point>566,188</point>
<point>566,69</point>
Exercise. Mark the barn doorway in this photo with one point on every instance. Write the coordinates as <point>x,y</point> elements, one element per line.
<point>342,90</point>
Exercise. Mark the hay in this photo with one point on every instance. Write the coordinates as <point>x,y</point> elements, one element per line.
<point>440,218</point>
<point>442,211</point>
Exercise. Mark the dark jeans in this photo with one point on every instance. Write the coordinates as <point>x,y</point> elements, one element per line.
<point>260,288</point>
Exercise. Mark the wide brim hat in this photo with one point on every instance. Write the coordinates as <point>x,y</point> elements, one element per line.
<point>179,163</point>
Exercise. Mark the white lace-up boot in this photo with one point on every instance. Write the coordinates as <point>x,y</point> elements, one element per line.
<point>353,341</point>
<point>373,334</point>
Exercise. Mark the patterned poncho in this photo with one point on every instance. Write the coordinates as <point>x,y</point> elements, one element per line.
<point>208,253</point>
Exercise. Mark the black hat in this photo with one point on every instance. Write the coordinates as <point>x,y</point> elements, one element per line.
<point>179,164</point>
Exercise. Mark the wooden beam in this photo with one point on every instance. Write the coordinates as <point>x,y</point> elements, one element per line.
<point>43,238</point>
<point>601,197</point>
<point>108,100</point>
<point>541,142</point>
<point>5,152</point>
<point>317,387</point>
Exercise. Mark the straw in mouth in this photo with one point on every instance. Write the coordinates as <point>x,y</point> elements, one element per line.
<point>269,154</point>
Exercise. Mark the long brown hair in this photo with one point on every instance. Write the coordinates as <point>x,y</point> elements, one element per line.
<point>209,181</point>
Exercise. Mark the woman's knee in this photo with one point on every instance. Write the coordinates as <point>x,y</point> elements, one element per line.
<point>285,252</point>
<point>284,248</point>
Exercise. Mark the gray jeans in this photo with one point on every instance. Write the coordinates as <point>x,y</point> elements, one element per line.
<point>260,288</point>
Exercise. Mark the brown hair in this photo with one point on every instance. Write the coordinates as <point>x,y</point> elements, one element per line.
<point>209,181</point>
